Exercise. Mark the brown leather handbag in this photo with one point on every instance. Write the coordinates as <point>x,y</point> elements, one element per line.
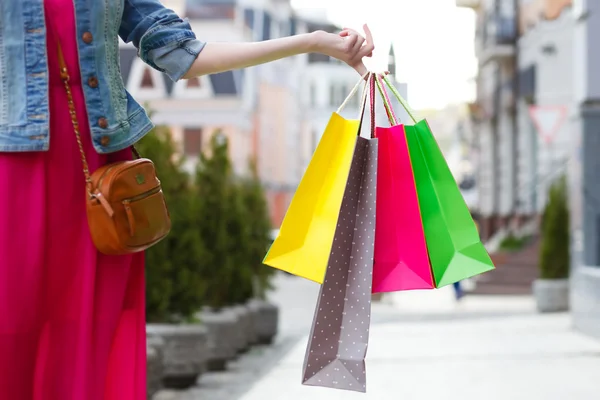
<point>126,208</point>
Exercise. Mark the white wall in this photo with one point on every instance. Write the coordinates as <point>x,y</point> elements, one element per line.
<point>555,74</point>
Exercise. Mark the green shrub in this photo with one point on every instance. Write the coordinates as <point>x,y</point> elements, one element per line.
<point>175,290</point>
<point>554,254</point>
<point>259,225</point>
<point>239,242</point>
<point>234,224</point>
<point>213,177</point>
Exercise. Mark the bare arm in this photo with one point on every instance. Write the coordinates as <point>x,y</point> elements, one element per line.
<point>348,46</point>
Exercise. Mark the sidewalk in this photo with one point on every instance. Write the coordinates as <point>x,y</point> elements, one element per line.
<point>296,299</point>
<point>424,346</point>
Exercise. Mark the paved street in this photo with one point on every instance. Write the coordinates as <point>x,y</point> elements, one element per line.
<point>296,299</point>
<point>424,346</point>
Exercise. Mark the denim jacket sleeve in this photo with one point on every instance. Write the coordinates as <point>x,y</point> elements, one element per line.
<point>164,40</point>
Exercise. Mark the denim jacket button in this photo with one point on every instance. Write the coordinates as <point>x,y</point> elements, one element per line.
<point>87,38</point>
<point>104,140</point>
<point>103,123</point>
<point>93,82</point>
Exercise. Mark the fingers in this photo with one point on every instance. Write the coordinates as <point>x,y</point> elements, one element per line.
<point>367,49</point>
<point>356,47</point>
<point>359,43</point>
<point>369,35</point>
<point>350,43</point>
<point>366,44</point>
<point>354,37</point>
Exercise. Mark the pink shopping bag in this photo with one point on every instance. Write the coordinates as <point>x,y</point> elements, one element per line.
<point>401,258</point>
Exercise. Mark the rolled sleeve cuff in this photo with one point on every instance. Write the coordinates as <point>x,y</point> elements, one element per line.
<point>176,59</point>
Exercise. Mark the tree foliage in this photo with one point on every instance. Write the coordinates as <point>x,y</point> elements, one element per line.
<point>175,289</point>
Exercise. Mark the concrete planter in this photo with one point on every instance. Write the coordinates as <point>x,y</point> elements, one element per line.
<point>155,369</point>
<point>244,327</point>
<point>222,327</point>
<point>551,295</point>
<point>254,310</point>
<point>265,321</point>
<point>185,353</point>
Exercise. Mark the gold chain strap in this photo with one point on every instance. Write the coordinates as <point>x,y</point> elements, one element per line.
<point>64,74</point>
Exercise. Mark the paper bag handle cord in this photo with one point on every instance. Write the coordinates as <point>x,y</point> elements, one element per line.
<point>386,102</point>
<point>352,92</point>
<point>372,103</point>
<point>401,99</point>
<point>363,104</point>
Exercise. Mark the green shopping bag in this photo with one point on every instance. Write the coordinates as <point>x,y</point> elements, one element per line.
<point>453,242</point>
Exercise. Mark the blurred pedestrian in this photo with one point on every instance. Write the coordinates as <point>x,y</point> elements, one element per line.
<point>458,291</point>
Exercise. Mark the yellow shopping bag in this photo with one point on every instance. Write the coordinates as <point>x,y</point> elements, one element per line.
<point>305,238</point>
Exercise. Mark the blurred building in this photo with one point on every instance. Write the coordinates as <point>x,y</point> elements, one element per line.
<point>496,50</point>
<point>544,99</point>
<point>553,106</point>
<point>524,95</point>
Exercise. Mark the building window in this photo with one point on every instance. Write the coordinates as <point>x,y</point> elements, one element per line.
<point>210,11</point>
<point>318,58</point>
<point>332,95</point>
<point>192,141</point>
<point>266,26</point>
<point>147,82</point>
<point>249,17</point>
<point>193,83</point>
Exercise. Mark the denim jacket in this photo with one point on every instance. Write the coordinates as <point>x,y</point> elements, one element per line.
<point>164,41</point>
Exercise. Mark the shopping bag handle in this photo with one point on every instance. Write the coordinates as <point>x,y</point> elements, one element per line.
<point>364,103</point>
<point>372,103</point>
<point>353,92</point>
<point>386,102</point>
<point>401,99</point>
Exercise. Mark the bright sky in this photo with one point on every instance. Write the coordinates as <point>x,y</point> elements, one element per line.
<point>433,42</point>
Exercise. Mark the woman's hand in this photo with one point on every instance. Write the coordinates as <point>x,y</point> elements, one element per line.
<point>347,46</point>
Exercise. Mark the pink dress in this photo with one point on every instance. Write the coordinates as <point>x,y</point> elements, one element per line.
<point>72,321</point>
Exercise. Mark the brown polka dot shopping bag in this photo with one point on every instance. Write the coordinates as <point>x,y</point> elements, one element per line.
<point>335,356</point>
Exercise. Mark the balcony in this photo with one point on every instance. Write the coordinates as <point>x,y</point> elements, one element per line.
<point>474,4</point>
<point>496,38</point>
